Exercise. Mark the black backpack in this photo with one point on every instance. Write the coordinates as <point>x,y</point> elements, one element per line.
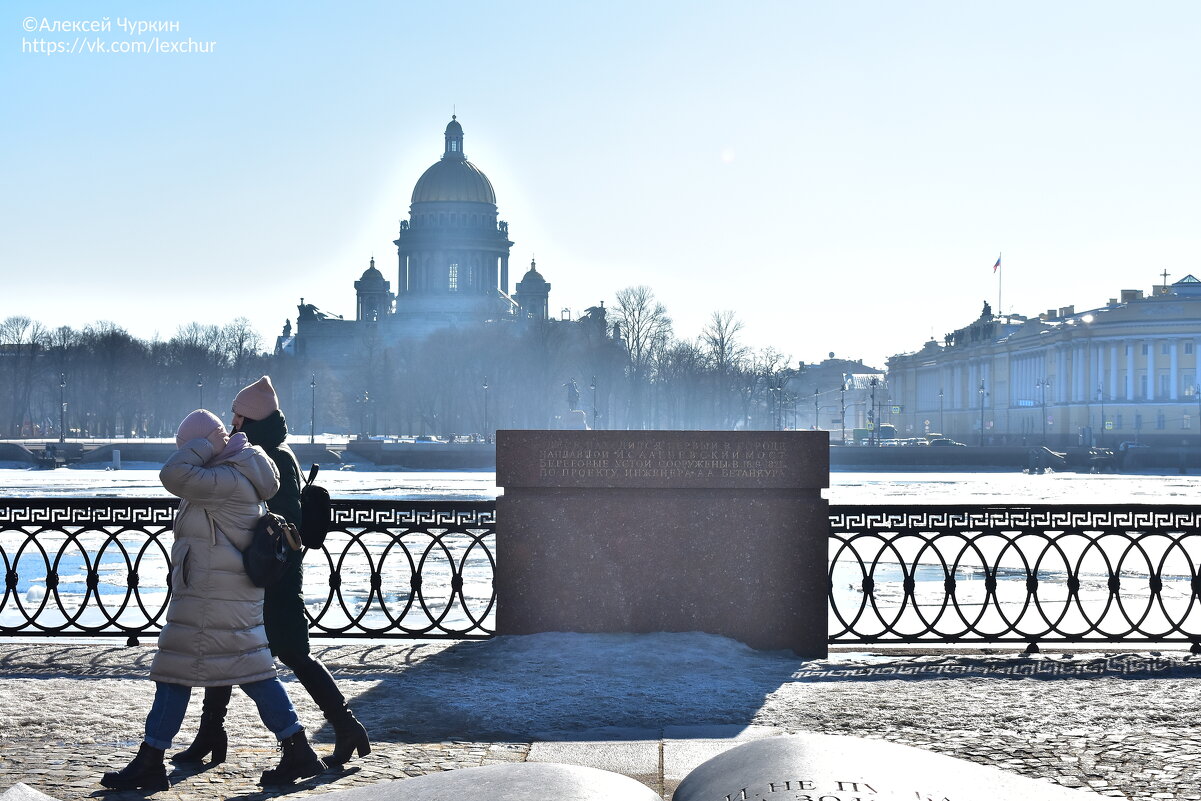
<point>316,512</point>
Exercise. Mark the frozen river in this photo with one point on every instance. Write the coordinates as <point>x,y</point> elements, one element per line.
<point>141,481</point>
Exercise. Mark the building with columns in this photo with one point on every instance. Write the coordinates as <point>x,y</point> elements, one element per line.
<point>452,270</point>
<point>1127,371</point>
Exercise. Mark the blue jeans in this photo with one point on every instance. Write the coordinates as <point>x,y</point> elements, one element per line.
<point>171,704</point>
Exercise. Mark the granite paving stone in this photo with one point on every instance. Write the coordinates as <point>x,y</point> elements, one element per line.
<point>1121,725</point>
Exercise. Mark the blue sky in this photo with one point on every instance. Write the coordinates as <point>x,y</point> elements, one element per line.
<point>842,175</point>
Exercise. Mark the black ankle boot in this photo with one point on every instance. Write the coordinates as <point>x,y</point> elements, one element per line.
<point>211,737</point>
<point>298,761</point>
<point>349,733</point>
<point>145,772</point>
<point>350,736</point>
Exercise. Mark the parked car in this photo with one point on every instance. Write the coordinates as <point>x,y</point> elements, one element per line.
<point>944,442</point>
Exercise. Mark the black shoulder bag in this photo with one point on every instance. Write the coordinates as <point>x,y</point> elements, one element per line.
<point>266,557</point>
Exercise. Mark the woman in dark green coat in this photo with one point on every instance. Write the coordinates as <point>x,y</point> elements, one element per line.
<point>256,413</point>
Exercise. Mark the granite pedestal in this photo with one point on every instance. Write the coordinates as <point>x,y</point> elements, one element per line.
<point>723,532</point>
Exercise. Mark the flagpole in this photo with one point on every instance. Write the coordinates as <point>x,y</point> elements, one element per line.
<point>1000,269</point>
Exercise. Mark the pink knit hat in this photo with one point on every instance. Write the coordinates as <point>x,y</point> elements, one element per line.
<point>257,401</point>
<point>200,424</point>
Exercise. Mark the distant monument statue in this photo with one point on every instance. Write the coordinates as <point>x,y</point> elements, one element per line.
<point>573,395</point>
<point>986,314</point>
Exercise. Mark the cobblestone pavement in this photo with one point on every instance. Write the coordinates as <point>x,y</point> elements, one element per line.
<point>1121,725</point>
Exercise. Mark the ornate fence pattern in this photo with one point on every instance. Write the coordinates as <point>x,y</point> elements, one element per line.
<point>903,575</point>
<point>1037,574</point>
<point>101,568</point>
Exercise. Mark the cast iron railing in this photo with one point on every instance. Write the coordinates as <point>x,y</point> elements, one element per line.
<point>897,574</point>
<point>1036,574</point>
<point>101,568</point>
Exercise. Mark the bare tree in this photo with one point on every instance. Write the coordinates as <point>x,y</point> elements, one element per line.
<point>646,328</point>
<point>23,340</point>
<point>644,325</point>
<point>239,344</point>
<point>720,337</point>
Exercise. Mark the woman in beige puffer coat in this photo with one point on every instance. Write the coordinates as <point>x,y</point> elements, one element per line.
<point>214,634</point>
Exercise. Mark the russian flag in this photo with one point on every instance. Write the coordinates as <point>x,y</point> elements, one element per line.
<point>997,266</point>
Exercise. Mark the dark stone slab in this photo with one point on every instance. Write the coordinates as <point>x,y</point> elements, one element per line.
<point>732,541</point>
<point>663,459</point>
<point>519,781</point>
<point>833,768</point>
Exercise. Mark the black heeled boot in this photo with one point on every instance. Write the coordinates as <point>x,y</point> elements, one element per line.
<point>350,735</point>
<point>298,761</point>
<point>145,772</point>
<point>211,736</point>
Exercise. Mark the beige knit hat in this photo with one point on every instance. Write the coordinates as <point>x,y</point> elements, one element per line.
<point>257,401</point>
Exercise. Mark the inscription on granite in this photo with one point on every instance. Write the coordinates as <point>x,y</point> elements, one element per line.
<point>664,459</point>
<point>721,459</point>
<point>819,767</point>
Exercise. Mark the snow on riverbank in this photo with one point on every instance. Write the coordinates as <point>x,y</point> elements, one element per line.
<point>140,480</point>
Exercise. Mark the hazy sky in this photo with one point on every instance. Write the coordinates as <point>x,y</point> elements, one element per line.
<point>840,174</point>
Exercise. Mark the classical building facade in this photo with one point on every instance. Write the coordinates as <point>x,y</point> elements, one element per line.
<point>452,269</point>
<point>1127,371</point>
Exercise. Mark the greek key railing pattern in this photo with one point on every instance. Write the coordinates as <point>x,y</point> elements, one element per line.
<point>1035,575</point>
<point>101,568</point>
<point>424,570</point>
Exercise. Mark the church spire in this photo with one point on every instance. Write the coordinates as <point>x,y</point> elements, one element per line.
<point>454,141</point>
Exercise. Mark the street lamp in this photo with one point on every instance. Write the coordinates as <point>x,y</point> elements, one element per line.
<point>1197,393</point>
<point>981,391</point>
<point>1101,398</point>
<point>873,437</point>
<point>942,431</point>
<point>200,389</point>
<point>313,409</point>
<point>1041,384</point>
<point>487,435</point>
<point>842,398</point>
<point>592,387</point>
<point>62,407</point>
<point>363,401</point>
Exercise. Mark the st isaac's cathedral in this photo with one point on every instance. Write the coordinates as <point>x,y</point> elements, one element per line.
<point>453,269</point>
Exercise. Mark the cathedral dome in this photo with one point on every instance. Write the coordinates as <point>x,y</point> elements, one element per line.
<point>532,277</point>
<point>371,275</point>
<point>454,178</point>
<point>458,180</point>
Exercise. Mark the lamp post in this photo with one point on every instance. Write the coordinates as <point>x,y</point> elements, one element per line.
<point>363,414</point>
<point>592,386</point>
<point>873,437</point>
<point>313,409</point>
<point>200,389</point>
<point>1197,393</point>
<point>487,434</point>
<point>942,431</point>
<point>815,410</point>
<point>1101,398</point>
<point>1042,401</point>
<point>62,407</point>
<point>981,391</point>
<point>842,399</point>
